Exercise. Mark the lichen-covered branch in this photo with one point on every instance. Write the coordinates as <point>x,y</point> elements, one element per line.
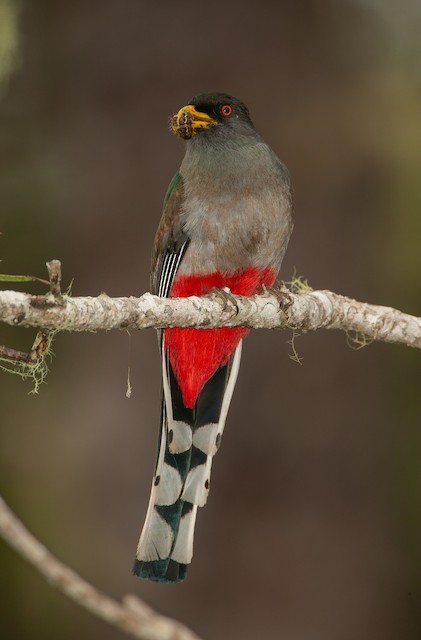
<point>271,310</point>
<point>131,615</point>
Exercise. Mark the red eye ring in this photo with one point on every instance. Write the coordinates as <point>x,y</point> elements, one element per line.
<point>226,110</point>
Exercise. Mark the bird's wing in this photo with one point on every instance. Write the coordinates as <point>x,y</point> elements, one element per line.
<point>170,241</point>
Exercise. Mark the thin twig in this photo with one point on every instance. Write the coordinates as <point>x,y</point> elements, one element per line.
<point>13,354</point>
<point>132,615</point>
<point>54,273</point>
<point>40,345</point>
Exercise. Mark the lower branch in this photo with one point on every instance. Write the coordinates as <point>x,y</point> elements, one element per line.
<point>132,615</point>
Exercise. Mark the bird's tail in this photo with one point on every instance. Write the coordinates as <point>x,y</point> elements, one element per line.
<point>189,439</point>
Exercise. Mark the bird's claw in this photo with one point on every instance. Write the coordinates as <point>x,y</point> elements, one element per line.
<point>282,295</point>
<point>226,296</point>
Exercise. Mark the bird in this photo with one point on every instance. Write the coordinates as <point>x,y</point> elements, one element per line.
<point>226,223</point>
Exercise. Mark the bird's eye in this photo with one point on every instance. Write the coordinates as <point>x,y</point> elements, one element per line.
<point>226,110</point>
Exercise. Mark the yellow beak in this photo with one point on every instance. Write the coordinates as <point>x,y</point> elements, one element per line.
<point>186,122</point>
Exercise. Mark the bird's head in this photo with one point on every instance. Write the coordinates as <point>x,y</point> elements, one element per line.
<point>209,112</point>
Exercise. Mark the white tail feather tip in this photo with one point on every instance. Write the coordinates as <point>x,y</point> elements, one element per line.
<point>156,539</point>
<point>183,548</point>
<point>196,489</point>
<point>204,438</point>
<point>179,436</point>
<point>168,485</point>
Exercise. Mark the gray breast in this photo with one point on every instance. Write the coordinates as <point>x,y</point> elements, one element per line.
<point>237,209</point>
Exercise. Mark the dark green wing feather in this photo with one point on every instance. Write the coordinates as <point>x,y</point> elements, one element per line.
<point>170,241</point>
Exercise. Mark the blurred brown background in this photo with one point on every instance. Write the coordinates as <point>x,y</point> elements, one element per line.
<point>313,527</point>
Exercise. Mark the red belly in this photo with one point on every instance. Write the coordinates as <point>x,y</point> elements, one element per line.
<point>195,354</point>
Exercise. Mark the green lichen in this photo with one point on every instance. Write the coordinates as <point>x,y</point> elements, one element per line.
<point>298,285</point>
<point>356,340</point>
<point>294,355</point>
<point>35,371</point>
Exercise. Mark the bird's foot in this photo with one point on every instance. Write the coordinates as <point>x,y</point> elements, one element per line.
<point>281,293</point>
<point>226,296</point>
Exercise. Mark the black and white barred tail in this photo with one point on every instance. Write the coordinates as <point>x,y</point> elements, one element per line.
<point>189,438</point>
